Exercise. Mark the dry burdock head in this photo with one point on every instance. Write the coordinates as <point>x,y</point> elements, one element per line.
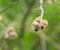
<point>39,24</point>
<point>10,33</point>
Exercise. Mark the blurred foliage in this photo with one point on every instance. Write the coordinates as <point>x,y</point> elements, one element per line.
<point>23,13</point>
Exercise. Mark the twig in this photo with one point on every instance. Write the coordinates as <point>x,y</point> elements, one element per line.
<point>26,16</point>
<point>24,20</point>
<point>9,6</point>
<point>41,8</point>
<point>43,42</point>
<point>49,40</point>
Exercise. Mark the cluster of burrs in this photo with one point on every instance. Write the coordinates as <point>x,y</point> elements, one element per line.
<point>39,24</point>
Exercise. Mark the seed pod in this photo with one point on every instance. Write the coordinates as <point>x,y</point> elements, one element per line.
<point>39,24</point>
<point>10,33</point>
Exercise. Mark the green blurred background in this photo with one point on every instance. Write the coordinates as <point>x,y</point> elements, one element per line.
<point>22,13</point>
